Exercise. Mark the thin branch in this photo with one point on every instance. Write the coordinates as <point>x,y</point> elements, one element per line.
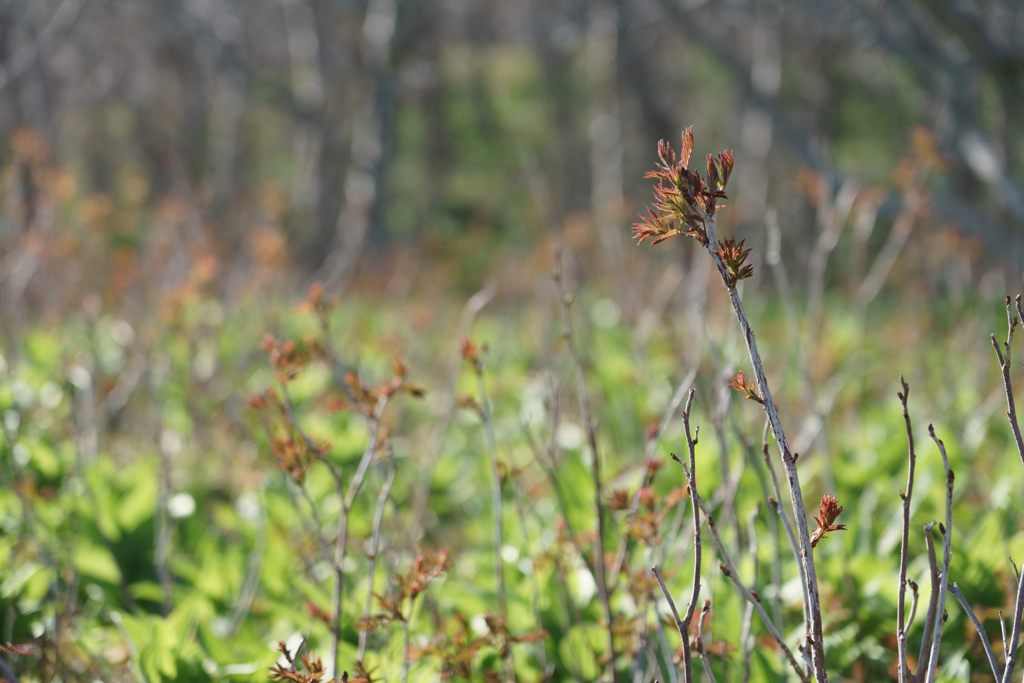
<point>947,534</point>
<point>704,659</point>
<point>933,600</point>
<point>730,571</point>
<point>955,590</point>
<point>691,447</point>
<point>1004,364</point>
<point>581,390</point>
<point>1011,414</point>
<point>666,650</point>
<point>901,636</point>
<point>683,629</point>
<point>1002,627</point>
<point>774,502</point>
<point>773,525</point>
<point>913,606</point>
<point>805,556</point>
<point>1018,610</point>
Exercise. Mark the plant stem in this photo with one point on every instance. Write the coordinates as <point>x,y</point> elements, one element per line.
<point>947,534</point>
<point>806,555</point>
<point>901,635</point>
<point>933,600</point>
<point>1018,611</point>
<point>691,447</point>
<point>683,630</point>
<point>730,571</point>
<point>955,590</point>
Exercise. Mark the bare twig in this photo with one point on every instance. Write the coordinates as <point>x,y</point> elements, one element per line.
<point>669,670</point>
<point>691,447</point>
<point>901,636</point>
<point>683,628</point>
<point>704,659</point>
<point>730,572</point>
<point>773,525</point>
<point>794,547</point>
<point>581,390</point>
<point>947,534</point>
<point>913,606</point>
<point>1004,364</point>
<point>691,478</point>
<point>933,600</point>
<point>806,555</point>
<point>955,590</point>
<point>1018,611</point>
<point>1002,627</point>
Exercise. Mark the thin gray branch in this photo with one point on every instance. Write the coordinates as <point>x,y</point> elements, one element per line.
<point>955,590</point>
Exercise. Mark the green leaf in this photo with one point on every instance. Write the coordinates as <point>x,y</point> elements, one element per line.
<point>138,505</point>
<point>96,562</point>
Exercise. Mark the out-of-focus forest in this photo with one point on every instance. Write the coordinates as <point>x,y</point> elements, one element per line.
<point>329,135</point>
<point>282,358</point>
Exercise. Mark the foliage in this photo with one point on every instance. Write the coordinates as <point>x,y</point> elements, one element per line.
<point>333,504</point>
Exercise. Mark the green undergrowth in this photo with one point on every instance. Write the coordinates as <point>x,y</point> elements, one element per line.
<point>93,491</point>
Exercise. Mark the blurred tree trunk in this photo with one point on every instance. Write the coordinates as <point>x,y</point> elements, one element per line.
<point>607,200</point>
<point>371,135</point>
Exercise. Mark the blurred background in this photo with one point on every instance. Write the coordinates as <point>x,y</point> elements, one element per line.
<point>175,174</point>
<point>336,139</point>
